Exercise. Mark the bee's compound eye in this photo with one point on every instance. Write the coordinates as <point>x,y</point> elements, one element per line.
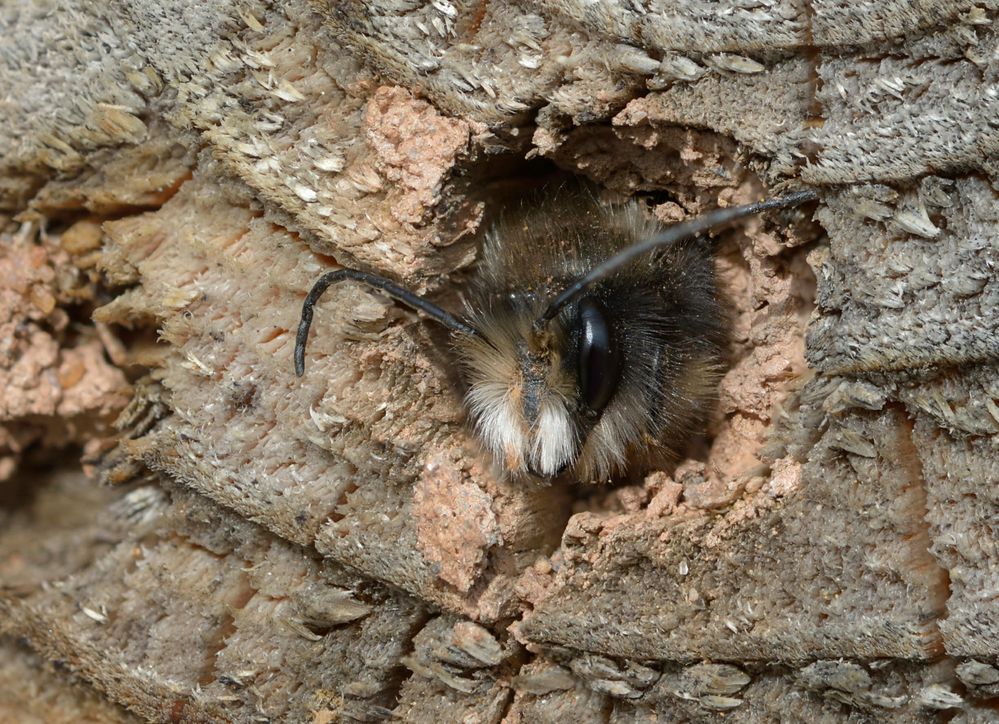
<point>599,357</point>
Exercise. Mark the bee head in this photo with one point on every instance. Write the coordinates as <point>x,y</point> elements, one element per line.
<point>536,392</point>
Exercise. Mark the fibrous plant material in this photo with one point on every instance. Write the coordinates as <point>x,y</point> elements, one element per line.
<point>338,545</point>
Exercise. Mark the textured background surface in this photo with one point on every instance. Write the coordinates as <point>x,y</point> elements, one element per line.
<point>249,544</point>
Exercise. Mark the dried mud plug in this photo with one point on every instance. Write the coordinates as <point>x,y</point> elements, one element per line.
<point>580,348</point>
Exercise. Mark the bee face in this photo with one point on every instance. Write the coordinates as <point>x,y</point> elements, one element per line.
<point>521,396</point>
<point>536,397</point>
<point>631,363</point>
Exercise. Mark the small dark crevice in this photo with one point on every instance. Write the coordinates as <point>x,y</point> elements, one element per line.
<point>608,709</point>
<point>216,644</point>
<point>402,674</point>
<point>814,56</point>
<point>810,150</point>
<point>921,541</point>
<point>334,516</point>
<point>226,628</point>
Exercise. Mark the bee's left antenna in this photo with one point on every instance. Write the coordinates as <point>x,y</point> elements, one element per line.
<point>672,235</point>
<point>372,280</point>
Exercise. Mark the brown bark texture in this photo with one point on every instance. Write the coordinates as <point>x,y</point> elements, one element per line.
<point>240,544</point>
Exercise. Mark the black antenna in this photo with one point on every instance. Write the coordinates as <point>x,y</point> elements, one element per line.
<point>372,280</point>
<point>672,235</point>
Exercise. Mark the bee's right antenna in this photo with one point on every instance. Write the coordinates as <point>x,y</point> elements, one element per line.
<point>672,235</point>
<point>372,280</point>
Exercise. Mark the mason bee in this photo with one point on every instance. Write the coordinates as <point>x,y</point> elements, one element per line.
<point>591,334</point>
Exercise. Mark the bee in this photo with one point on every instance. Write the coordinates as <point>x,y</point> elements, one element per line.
<point>592,336</point>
